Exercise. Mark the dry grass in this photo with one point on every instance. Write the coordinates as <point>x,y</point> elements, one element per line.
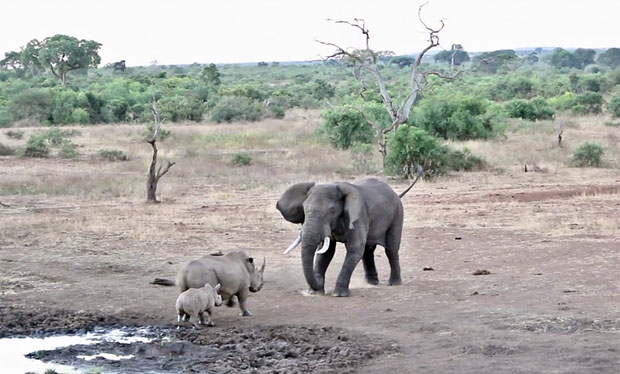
<point>284,152</point>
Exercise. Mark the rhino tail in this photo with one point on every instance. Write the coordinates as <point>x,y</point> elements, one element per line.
<point>163,282</point>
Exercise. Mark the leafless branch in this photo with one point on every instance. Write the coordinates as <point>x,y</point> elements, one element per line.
<point>154,176</point>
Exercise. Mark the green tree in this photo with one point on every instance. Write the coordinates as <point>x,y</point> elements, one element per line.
<point>609,58</point>
<point>491,62</point>
<point>455,117</point>
<point>561,58</point>
<point>455,56</point>
<point>211,75</point>
<point>402,61</point>
<point>347,127</point>
<point>321,89</point>
<point>62,54</point>
<point>584,56</point>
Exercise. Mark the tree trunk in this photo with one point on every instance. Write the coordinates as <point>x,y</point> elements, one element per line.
<point>152,179</point>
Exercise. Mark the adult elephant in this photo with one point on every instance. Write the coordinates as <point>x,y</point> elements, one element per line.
<point>361,215</point>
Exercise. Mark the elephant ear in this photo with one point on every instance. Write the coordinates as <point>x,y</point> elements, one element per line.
<point>290,204</point>
<point>353,202</point>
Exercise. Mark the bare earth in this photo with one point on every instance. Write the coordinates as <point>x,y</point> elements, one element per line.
<point>502,273</point>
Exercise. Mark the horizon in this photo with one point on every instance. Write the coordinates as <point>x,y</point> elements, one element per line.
<point>246,31</point>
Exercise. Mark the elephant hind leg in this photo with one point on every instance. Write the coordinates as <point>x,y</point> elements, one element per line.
<point>370,269</point>
<point>391,251</point>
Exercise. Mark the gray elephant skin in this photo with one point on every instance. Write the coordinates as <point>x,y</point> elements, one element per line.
<point>361,215</point>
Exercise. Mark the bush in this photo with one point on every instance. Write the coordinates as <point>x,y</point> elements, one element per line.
<point>67,149</point>
<point>464,161</point>
<point>410,146</point>
<point>112,155</point>
<point>563,102</point>
<point>614,106</point>
<point>36,147</point>
<point>587,154</point>
<point>534,109</point>
<point>236,108</point>
<point>588,102</point>
<point>6,150</point>
<point>241,159</point>
<point>455,118</point>
<point>345,128</point>
<point>18,134</point>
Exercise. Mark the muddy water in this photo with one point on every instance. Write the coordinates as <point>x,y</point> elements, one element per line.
<point>23,354</point>
<point>158,350</point>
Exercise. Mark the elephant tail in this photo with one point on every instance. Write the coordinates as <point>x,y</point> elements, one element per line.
<point>163,282</point>
<point>420,172</point>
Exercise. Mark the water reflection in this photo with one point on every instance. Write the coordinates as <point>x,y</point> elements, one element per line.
<point>13,351</point>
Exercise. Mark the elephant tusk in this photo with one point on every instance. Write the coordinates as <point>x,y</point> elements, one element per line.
<point>325,246</point>
<point>294,245</point>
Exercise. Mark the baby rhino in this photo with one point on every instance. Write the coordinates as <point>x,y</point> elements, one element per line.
<point>193,302</point>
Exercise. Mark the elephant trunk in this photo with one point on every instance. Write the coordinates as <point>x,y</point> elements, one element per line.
<point>307,261</point>
<point>310,241</point>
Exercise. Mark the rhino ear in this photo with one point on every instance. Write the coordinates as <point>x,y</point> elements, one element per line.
<point>290,204</point>
<point>217,287</point>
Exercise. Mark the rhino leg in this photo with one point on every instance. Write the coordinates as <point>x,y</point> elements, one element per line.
<point>210,322</point>
<point>243,297</point>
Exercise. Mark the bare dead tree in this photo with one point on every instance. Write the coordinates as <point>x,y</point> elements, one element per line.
<point>155,173</point>
<point>560,129</point>
<point>367,60</point>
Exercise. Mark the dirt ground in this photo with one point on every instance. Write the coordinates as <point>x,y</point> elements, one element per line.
<point>506,272</point>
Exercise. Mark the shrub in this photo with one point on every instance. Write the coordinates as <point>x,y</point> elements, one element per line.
<point>54,136</point>
<point>346,127</point>
<point>236,108</point>
<point>6,150</point>
<point>112,155</point>
<point>410,146</point>
<point>587,154</point>
<point>464,161</point>
<point>241,159</point>
<point>614,106</point>
<point>588,102</point>
<point>36,147</point>
<point>15,134</point>
<point>456,117</point>
<point>563,102</point>
<point>534,109</point>
<point>67,149</point>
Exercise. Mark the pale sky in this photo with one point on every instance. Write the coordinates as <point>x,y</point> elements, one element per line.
<point>205,31</point>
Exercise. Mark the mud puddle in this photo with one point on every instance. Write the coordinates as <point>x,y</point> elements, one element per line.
<point>265,349</point>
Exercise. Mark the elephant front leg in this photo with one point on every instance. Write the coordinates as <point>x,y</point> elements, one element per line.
<point>321,263</point>
<point>351,260</point>
<point>372,277</point>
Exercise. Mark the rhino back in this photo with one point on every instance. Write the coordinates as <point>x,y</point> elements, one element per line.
<point>193,301</point>
<point>229,271</point>
<point>195,274</point>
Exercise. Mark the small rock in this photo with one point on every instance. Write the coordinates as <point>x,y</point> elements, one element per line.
<point>482,272</point>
